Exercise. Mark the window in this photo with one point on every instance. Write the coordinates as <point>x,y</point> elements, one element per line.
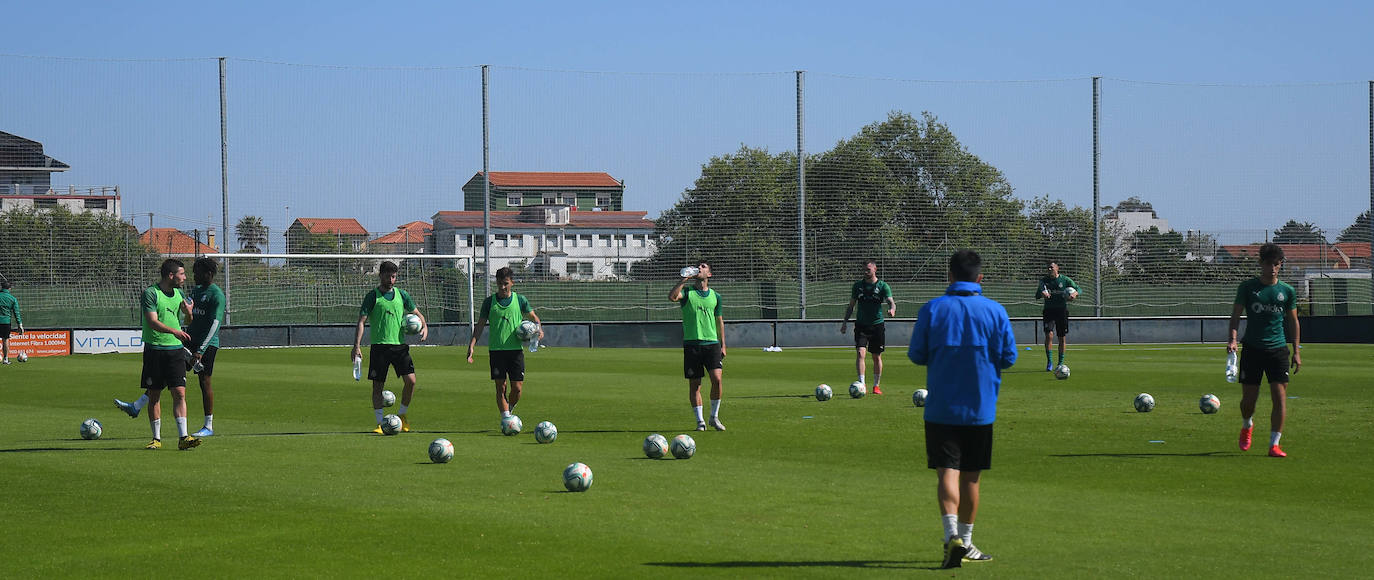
<point>96,204</point>
<point>584,269</point>
<point>517,241</point>
<point>552,242</point>
<point>621,269</point>
<point>41,203</point>
<point>605,241</point>
<point>584,240</point>
<point>570,199</point>
<point>513,201</point>
<point>499,240</point>
<point>550,199</point>
<point>604,202</point>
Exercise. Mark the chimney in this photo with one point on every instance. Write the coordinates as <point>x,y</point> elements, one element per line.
<point>210,238</point>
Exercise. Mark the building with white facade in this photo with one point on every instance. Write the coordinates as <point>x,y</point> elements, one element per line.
<point>554,241</point>
<point>26,182</point>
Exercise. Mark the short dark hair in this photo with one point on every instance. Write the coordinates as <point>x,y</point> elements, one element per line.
<point>870,261</point>
<point>169,267</point>
<point>505,273</point>
<point>5,284</point>
<point>206,265</point>
<point>1271,252</point>
<point>965,265</point>
<point>388,267</point>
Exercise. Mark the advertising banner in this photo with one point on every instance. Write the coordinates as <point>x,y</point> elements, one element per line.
<point>98,341</point>
<point>42,343</point>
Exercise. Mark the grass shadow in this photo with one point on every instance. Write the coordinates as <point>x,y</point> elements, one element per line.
<point>874,564</point>
<point>43,449</point>
<point>1129,455</point>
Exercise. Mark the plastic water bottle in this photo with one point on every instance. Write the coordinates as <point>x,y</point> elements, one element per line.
<point>534,344</point>
<point>689,271</point>
<point>199,366</point>
<point>357,368</point>
<point>1232,370</point>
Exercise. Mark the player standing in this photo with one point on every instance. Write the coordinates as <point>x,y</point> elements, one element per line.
<point>870,333</point>
<point>164,357</point>
<point>1270,305</point>
<point>965,341</point>
<point>9,314</point>
<point>1056,290</point>
<point>703,341</point>
<point>504,311</point>
<point>386,306</point>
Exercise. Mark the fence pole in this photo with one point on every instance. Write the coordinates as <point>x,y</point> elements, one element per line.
<point>486,184</point>
<point>224,180</point>
<point>1371,193</point>
<point>801,194</point>
<point>1097,198</point>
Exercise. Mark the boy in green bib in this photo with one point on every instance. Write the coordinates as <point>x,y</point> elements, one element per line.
<point>386,306</point>
<point>703,341</point>
<point>164,352</point>
<point>1269,305</point>
<point>504,311</point>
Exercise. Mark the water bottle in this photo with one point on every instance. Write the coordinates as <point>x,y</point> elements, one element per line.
<point>534,344</point>
<point>198,367</point>
<point>689,271</point>
<point>357,368</point>
<point>1232,371</point>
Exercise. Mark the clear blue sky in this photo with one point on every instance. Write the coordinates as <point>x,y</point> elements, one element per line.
<point>1299,119</point>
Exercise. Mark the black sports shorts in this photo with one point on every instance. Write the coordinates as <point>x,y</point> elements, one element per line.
<point>381,356</point>
<point>873,337</point>
<point>507,364</point>
<point>1256,362</point>
<point>699,358</point>
<point>961,447</point>
<point>1055,319</point>
<point>163,368</point>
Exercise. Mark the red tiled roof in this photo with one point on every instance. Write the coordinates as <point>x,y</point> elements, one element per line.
<point>411,233</point>
<point>549,179</point>
<point>345,226</point>
<point>172,241</point>
<point>1309,253</point>
<point>578,219</point>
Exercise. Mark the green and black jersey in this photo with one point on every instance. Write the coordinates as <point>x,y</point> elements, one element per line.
<point>1265,308</point>
<point>384,311</point>
<point>166,307</point>
<point>504,316</point>
<point>869,299</point>
<point>699,312</point>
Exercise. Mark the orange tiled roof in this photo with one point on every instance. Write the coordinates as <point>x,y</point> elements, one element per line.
<point>411,233</point>
<point>1338,255</point>
<point>345,226</point>
<point>549,179</point>
<point>173,241</point>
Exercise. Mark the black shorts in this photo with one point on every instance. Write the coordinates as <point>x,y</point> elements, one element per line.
<point>871,337</point>
<point>1256,362</point>
<point>961,447</point>
<point>5,330</point>
<point>507,364</point>
<point>207,362</point>
<point>163,368</point>
<point>381,356</point>
<point>699,358</point>
<point>1055,319</point>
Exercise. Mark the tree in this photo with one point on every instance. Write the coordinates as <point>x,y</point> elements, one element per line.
<point>1358,231</point>
<point>1294,232</point>
<point>58,246</point>
<point>252,234</point>
<point>1131,204</point>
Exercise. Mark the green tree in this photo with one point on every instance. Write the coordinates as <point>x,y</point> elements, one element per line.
<point>1295,232</point>
<point>1358,231</point>
<point>57,246</point>
<point>252,234</point>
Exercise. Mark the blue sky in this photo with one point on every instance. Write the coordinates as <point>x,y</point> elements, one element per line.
<point>1204,102</point>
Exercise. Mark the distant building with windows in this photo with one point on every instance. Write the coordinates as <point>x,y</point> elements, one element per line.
<point>583,191</point>
<point>26,182</point>
<point>553,241</point>
<point>347,232</point>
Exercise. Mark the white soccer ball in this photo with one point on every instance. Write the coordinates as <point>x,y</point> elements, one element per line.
<point>683,446</point>
<point>823,392</point>
<point>441,450</point>
<point>655,446</point>
<point>527,331</point>
<point>545,432</point>
<point>1209,404</point>
<point>1072,292</point>
<point>91,429</point>
<point>388,398</point>
<point>1144,403</point>
<point>1061,372</point>
<point>411,324</point>
<point>857,390</point>
<point>577,477</point>
<point>391,425</point>
<point>22,356</point>
<point>918,398</point>
<point>511,425</point>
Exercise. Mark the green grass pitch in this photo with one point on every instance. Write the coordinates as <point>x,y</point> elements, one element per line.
<point>295,485</point>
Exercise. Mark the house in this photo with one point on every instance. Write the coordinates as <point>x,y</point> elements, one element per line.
<point>302,236</point>
<point>1304,257</point>
<point>411,238</point>
<point>26,181</point>
<point>551,240</point>
<point>512,190</point>
<point>173,242</point>
<point>1122,225</point>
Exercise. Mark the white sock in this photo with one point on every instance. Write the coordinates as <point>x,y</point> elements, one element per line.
<point>1274,438</point>
<point>505,414</point>
<point>156,425</point>
<point>1247,423</point>
<point>861,378</point>
<point>141,402</point>
<point>951,525</point>
<point>181,426</point>
<point>403,409</point>
<point>715,408</point>
<point>966,533</point>
<point>378,413</point>
<point>210,422</point>
<point>697,409</point>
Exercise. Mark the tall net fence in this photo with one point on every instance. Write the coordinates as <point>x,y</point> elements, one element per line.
<point>603,185</point>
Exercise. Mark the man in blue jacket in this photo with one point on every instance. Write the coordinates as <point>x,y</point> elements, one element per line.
<point>964,340</point>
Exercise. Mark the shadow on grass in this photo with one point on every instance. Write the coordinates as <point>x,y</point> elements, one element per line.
<point>876,564</point>
<point>1127,455</point>
<point>806,396</point>
<point>43,449</point>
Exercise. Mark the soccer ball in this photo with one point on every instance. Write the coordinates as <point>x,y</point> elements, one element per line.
<point>823,392</point>
<point>683,446</point>
<point>577,477</point>
<point>388,398</point>
<point>391,425</point>
<point>545,432</point>
<point>441,451</point>
<point>1061,372</point>
<point>22,356</point>
<point>857,390</point>
<point>1144,403</point>
<point>1209,404</point>
<point>511,425</point>
<point>411,324</point>
<point>527,331</point>
<point>655,446</point>
<point>91,429</point>
<point>918,398</point>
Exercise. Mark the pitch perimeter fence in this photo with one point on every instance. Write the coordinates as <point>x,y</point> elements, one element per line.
<point>1152,196</point>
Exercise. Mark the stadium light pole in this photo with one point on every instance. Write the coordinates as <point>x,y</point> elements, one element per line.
<point>1097,198</point>
<point>224,178</point>
<point>801,195</point>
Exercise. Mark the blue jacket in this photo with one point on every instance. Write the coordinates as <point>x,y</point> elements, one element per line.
<point>964,341</point>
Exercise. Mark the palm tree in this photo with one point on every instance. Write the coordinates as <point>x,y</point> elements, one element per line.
<point>252,234</point>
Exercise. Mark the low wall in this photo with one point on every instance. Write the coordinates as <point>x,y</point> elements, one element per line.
<point>814,333</point>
